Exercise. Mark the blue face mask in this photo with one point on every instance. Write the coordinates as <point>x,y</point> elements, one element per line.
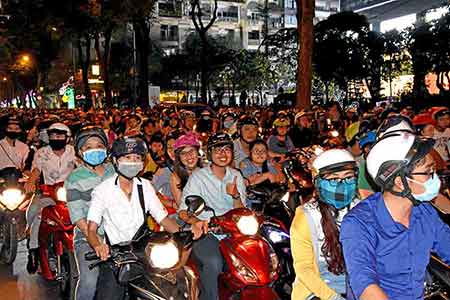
<point>431,186</point>
<point>94,157</point>
<point>338,193</point>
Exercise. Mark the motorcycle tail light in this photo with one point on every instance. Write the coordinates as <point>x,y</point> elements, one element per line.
<point>247,274</point>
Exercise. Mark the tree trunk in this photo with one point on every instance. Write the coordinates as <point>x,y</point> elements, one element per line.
<point>143,50</point>
<point>85,60</point>
<point>105,63</point>
<point>305,47</point>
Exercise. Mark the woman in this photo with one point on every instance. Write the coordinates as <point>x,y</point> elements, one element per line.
<point>187,159</point>
<point>317,253</point>
<point>256,168</point>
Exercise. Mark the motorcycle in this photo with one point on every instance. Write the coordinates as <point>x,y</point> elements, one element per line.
<point>252,264</point>
<point>13,203</point>
<point>154,265</point>
<point>56,249</point>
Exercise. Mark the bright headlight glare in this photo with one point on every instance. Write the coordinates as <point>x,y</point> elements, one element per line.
<point>285,198</point>
<point>164,256</point>
<point>277,236</point>
<point>61,194</point>
<point>11,198</point>
<point>248,225</point>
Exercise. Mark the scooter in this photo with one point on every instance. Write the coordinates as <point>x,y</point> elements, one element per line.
<point>13,203</point>
<point>153,266</point>
<point>56,248</point>
<point>252,264</point>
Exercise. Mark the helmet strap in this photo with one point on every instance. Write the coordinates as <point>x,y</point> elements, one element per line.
<point>406,193</point>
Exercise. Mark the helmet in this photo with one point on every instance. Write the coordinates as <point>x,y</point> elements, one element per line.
<point>246,120</point>
<point>229,114</point>
<point>367,138</point>
<point>281,122</point>
<point>219,139</point>
<point>393,124</point>
<point>186,140</point>
<point>395,155</point>
<point>87,132</point>
<point>352,131</point>
<point>187,114</point>
<point>332,161</point>
<point>59,128</point>
<point>128,145</point>
<point>438,112</point>
<point>422,119</point>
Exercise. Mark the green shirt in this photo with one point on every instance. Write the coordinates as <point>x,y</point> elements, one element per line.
<point>79,186</point>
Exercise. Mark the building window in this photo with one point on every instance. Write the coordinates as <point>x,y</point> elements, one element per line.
<point>164,32</point>
<point>173,33</point>
<point>253,35</point>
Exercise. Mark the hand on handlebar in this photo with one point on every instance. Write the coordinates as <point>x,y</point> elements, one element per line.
<point>102,251</point>
<point>199,228</point>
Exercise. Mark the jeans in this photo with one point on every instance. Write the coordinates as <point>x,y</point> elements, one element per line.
<point>335,282</point>
<point>87,279</point>
<point>210,261</point>
<point>33,216</point>
<point>108,286</point>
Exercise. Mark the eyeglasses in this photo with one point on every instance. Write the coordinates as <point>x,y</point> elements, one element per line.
<point>189,153</point>
<point>429,174</point>
<point>336,181</point>
<point>224,149</point>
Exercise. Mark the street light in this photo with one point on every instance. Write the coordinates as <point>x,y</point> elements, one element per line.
<point>5,79</point>
<point>26,58</point>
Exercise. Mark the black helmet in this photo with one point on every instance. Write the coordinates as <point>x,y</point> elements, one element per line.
<point>87,132</point>
<point>395,124</point>
<point>219,139</point>
<point>246,120</point>
<point>128,145</point>
<point>229,114</point>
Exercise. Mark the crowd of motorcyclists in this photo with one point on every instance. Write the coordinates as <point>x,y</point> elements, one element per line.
<point>361,225</point>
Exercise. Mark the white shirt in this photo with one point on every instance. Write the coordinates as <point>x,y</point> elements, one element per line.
<point>122,217</point>
<point>442,143</point>
<point>13,156</point>
<point>53,167</point>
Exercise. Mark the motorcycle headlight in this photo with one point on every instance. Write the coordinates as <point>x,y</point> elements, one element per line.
<point>164,256</point>
<point>242,269</point>
<point>277,235</point>
<point>11,198</point>
<point>285,198</point>
<point>61,194</point>
<point>248,225</point>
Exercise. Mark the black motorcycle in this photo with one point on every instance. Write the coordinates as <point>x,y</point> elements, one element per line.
<point>13,203</point>
<point>153,266</point>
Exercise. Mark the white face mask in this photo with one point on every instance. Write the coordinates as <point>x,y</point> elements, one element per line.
<point>431,187</point>
<point>130,169</point>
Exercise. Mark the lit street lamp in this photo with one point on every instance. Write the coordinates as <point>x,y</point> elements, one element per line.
<point>26,58</point>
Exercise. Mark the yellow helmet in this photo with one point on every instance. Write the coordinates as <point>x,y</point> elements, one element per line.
<point>281,122</point>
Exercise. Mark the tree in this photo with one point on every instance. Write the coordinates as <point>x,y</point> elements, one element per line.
<point>441,53</point>
<point>396,59</point>
<point>197,15</point>
<point>305,27</point>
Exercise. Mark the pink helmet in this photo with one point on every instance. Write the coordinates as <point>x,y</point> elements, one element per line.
<point>189,139</point>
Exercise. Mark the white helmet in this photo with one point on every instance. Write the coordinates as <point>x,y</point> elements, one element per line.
<point>396,155</point>
<point>395,124</point>
<point>332,161</point>
<point>59,128</point>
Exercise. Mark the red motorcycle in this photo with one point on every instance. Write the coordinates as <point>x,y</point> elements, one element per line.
<point>56,249</point>
<point>252,264</point>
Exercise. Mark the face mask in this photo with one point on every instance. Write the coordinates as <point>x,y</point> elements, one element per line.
<point>431,186</point>
<point>94,157</point>
<point>228,124</point>
<point>336,193</point>
<point>130,169</point>
<point>57,144</point>
<point>206,117</point>
<point>12,134</point>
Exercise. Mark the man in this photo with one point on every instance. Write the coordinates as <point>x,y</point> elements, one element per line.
<point>54,162</point>
<point>120,203</point>
<point>387,238</point>
<point>13,153</point>
<point>90,145</point>
<point>248,132</point>
<point>301,132</point>
<point>442,132</point>
<point>223,189</point>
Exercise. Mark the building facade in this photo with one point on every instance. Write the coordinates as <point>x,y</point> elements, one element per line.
<point>243,22</point>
